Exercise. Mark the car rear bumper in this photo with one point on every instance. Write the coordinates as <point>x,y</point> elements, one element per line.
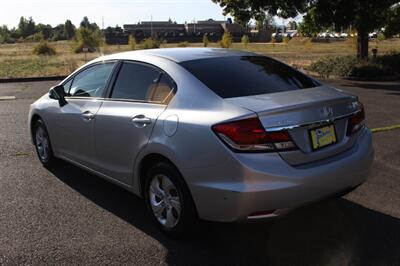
<point>267,186</point>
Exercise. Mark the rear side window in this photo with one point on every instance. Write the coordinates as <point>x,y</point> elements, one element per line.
<point>141,82</point>
<point>239,76</point>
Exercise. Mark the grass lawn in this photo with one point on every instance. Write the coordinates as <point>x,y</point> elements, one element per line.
<point>17,60</point>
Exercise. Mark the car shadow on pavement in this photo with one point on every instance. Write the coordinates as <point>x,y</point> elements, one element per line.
<point>334,232</point>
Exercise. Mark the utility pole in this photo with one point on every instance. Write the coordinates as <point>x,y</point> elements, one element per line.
<point>151,26</point>
<point>194,25</point>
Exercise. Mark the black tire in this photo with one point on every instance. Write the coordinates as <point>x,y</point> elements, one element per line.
<point>188,218</point>
<point>49,159</point>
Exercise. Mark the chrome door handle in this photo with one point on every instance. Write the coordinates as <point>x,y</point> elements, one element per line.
<point>141,121</point>
<point>87,115</point>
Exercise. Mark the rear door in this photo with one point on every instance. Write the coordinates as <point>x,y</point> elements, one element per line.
<point>126,119</point>
<point>74,122</point>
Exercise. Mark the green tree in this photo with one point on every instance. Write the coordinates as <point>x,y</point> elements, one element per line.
<point>58,33</point>
<point>45,30</point>
<point>206,41</point>
<point>88,39</point>
<point>5,35</point>
<point>132,42</point>
<point>245,40</point>
<point>69,30</point>
<point>309,27</point>
<point>364,15</point>
<point>85,23</point>
<point>26,27</point>
<point>264,21</point>
<point>226,40</point>
<point>393,23</point>
<point>150,43</point>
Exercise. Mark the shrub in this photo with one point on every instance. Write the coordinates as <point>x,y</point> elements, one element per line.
<point>334,66</point>
<point>163,43</point>
<point>85,37</point>
<point>278,38</point>
<point>350,66</point>
<point>183,44</point>
<point>132,42</point>
<point>43,48</point>
<point>205,40</point>
<point>6,38</point>
<point>286,39</point>
<point>226,40</point>
<point>273,41</point>
<point>381,37</point>
<point>245,40</point>
<point>37,37</point>
<point>150,43</point>
<point>391,60</point>
<point>308,44</point>
<point>370,70</point>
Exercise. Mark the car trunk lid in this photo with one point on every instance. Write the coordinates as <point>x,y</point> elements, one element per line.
<point>299,112</point>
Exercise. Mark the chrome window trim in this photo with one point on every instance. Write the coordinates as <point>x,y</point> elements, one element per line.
<point>132,101</point>
<point>83,98</point>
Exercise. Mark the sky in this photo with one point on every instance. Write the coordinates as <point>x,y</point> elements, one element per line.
<point>119,12</point>
<point>114,12</point>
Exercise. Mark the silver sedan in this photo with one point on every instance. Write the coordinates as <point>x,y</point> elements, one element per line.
<point>210,134</point>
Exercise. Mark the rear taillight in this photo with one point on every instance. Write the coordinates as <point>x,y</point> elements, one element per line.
<point>248,135</point>
<point>356,122</point>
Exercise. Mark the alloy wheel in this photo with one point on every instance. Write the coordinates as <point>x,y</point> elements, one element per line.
<point>42,143</point>
<point>165,201</point>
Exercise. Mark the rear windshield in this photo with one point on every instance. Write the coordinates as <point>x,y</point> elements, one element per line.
<point>239,76</point>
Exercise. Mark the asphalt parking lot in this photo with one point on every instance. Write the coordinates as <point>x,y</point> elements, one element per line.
<point>67,216</point>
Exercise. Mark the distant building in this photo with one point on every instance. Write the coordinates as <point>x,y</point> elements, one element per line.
<point>199,29</point>
<point>191,32</point>
<point>160,29</point>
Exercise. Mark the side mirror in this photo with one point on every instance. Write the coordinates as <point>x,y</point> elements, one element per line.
<point>58,93</point>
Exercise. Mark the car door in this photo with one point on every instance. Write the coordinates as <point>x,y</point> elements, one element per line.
<point>126,119</point>
<point>74,122</point>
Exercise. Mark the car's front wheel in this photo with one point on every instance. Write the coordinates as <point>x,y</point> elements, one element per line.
<point>168,200</point>
<point>42,143</point>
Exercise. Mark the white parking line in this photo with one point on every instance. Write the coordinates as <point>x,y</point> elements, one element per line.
<point>388,128</point>
<point>7,98</point>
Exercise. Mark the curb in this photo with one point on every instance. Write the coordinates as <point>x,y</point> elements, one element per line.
<point>10,80</point>
<point>384,78</point>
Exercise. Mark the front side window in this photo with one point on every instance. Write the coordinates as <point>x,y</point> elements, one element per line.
<point>139,82</point>
<point>238,76</point>
<point>67,85</point>
<point>92,81</point>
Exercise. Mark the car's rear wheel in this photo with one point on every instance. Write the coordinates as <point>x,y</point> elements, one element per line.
<point>42,143</point>
<point>168,200</point>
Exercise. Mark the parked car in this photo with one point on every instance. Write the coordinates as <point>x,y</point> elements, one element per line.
<point>373,35</point>
<point>210,134</point>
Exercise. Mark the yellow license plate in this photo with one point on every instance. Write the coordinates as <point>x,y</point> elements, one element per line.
<point>323,136</point>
